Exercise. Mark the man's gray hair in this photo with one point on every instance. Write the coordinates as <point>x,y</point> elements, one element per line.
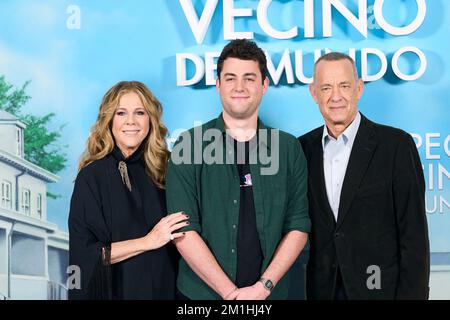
<point>336,56</point>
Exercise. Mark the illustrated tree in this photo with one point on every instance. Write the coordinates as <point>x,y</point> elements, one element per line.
<point>40,143</point>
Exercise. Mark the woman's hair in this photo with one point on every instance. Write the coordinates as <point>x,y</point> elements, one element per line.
<point>101,141</point>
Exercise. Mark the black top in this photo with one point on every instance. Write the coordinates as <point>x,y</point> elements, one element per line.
<point>103,210</point>
<point>249,254</point>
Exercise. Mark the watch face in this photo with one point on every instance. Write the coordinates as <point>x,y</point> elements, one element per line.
<point>268,284</point>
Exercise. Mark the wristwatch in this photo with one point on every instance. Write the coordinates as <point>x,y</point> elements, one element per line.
<point>268,284</point>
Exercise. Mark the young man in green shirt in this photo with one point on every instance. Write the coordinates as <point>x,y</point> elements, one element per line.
<point>244,187</point>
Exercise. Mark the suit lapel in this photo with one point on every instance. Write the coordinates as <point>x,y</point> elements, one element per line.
<point>362,151</point>
<point>317,175</point>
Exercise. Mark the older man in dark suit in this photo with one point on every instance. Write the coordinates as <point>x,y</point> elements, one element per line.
<point>369,237</point>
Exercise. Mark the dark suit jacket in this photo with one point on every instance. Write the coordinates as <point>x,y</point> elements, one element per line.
<point>381,219</point>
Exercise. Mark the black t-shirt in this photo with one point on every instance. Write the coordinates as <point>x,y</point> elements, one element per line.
<point>249,254</point>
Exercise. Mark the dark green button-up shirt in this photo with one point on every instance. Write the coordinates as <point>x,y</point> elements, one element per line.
<point>203,181</point>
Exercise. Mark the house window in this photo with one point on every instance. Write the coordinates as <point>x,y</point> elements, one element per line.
<point>6,194</point>
<point>19,142</point>
<point>26,201</point>
<point>39,205</point>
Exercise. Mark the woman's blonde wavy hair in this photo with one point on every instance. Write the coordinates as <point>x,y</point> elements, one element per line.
<point>101,141</point>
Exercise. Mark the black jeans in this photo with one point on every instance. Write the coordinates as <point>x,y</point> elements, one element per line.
<point>339,292</point>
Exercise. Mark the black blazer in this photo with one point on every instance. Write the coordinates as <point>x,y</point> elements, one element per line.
<point>381,220</point>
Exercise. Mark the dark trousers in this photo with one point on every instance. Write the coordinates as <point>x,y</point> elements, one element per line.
<point>339,292</point>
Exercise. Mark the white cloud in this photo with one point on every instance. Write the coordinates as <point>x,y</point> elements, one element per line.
<point>46,86</point>
<point>51,89</point>
<point>39,16</point>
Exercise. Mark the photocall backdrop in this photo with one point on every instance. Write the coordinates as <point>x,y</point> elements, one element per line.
<point>74,51</point>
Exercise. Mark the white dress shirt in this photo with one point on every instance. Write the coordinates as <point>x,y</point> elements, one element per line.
<point>336,153</point>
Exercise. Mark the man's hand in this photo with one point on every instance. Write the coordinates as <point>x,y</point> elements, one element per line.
<point>254,292</point>
<point>232,295</point>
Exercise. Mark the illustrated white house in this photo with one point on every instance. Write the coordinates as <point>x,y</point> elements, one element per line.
<point>33,252</point>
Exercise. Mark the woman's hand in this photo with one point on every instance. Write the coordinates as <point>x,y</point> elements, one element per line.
<point>163,231</point>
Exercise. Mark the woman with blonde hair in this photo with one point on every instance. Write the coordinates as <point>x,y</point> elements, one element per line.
<point>119,232</point>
